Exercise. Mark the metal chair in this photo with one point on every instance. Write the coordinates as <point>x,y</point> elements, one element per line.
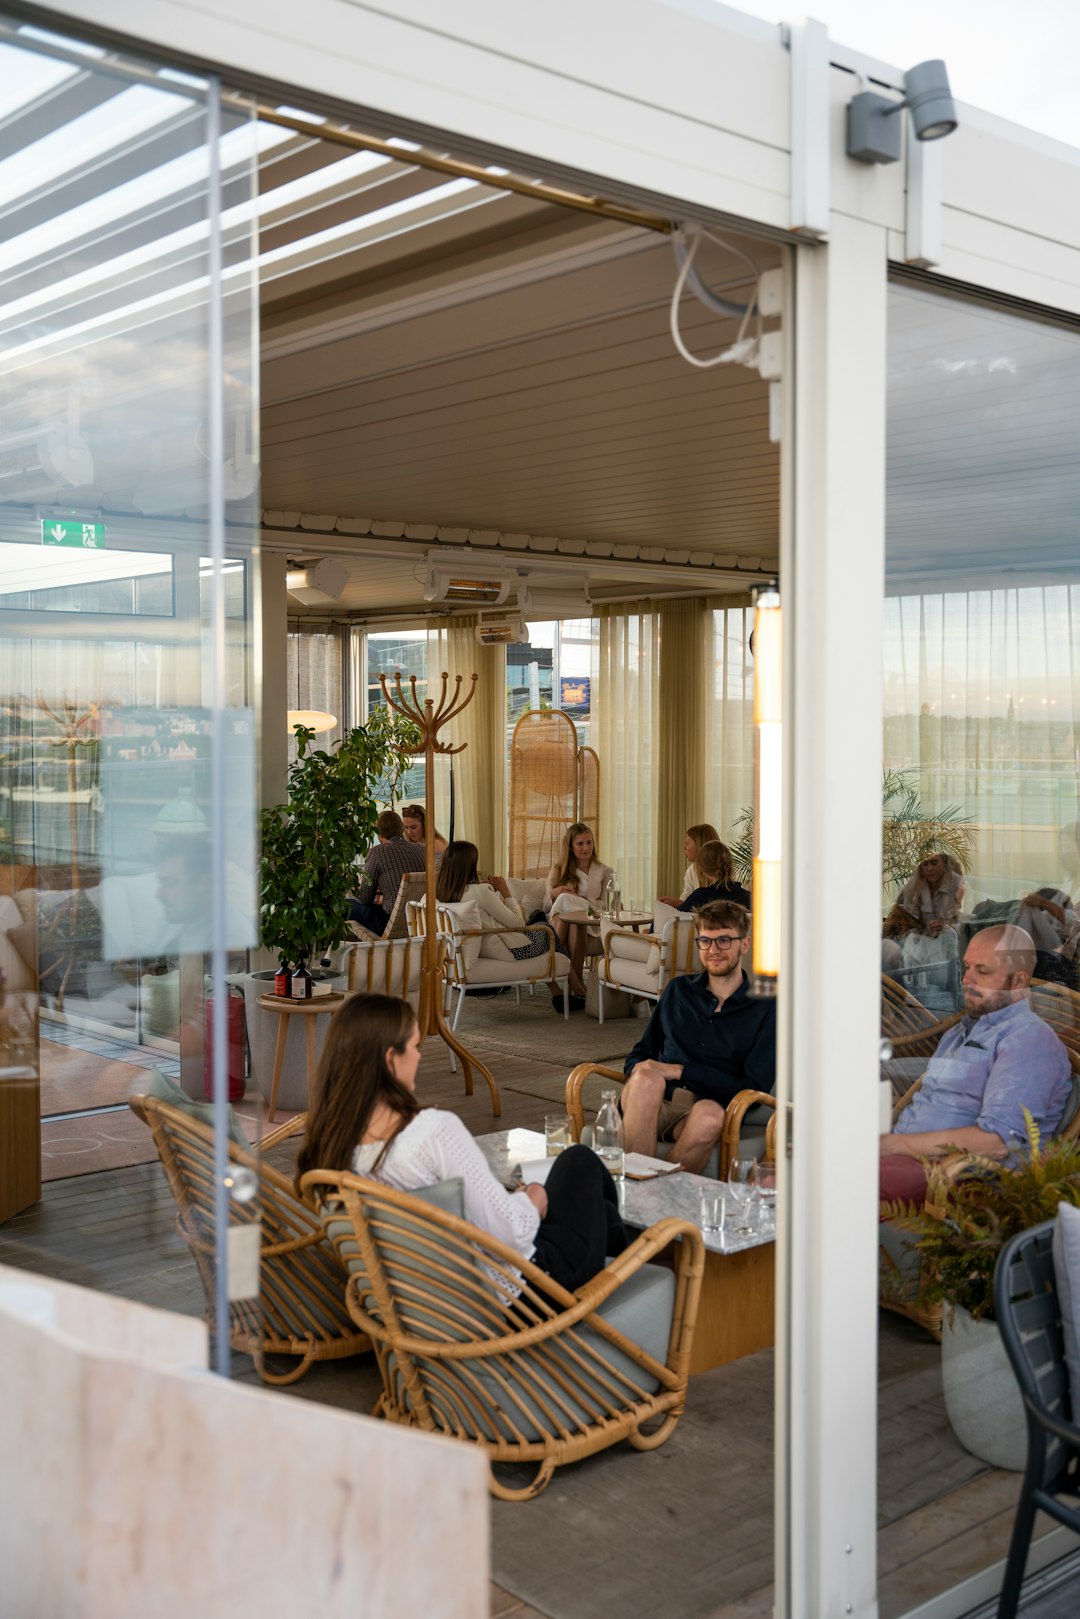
<point>1029,1319</point>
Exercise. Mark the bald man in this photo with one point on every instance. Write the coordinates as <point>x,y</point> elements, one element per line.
<point>999,1059</point>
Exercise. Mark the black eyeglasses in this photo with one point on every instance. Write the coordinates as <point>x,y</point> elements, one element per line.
<point>716,941</point>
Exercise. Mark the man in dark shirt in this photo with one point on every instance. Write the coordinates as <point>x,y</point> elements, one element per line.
<point>706,1041</point>
<point>384,867</point>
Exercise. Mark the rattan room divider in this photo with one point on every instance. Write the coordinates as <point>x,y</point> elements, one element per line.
<point>553,782</point>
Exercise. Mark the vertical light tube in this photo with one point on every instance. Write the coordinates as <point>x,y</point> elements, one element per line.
<point>768,765</point>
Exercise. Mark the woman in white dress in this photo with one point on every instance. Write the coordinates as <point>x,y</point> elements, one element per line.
<point>578,875</point>
<point>366,1118</point>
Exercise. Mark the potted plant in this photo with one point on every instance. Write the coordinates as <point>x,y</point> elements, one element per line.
<point>958,1234</point>
<point>310,847</point>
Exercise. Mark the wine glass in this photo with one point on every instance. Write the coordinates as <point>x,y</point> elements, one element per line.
<point>740,1171</point>
<point>763,1179</point>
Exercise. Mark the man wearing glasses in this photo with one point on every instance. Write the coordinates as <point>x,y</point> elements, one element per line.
<point>706,1041</point>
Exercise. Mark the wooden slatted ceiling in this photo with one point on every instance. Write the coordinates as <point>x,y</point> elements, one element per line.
<point>561,408</point>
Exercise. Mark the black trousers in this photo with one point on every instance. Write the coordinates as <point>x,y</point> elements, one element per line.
<point>583,1224</point>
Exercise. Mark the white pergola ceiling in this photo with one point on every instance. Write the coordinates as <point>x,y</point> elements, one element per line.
<point>442,360</point>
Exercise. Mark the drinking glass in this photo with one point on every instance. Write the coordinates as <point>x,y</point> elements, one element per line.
<point>740,1172</point>
<point>714,1208</point>
<point>763,1179</point>
<point>557,1133</point>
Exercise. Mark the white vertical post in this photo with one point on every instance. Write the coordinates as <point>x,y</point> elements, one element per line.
<point>832,579</point>
<point>808,43</point>
<point>922,200</point>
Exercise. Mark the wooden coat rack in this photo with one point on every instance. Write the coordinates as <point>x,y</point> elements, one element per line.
<point>429,720</point>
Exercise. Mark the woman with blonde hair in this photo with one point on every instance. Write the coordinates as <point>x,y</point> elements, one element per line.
<point>696,836</point>
<point>575,881</point>
<point>365,1117</point>
<point>715,873</point>
<point>414,819</point>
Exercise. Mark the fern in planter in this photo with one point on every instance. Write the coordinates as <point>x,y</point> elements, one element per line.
<point>908,833</point>
<point>966,1222</point>
<point>310,845</point>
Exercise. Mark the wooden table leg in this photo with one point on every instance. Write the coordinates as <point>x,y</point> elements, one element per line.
<point>279,1058</point>
<point>309,1028</point>
<point>738,1304</point>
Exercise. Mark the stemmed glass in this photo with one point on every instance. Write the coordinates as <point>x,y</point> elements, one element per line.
<point>763,1179</point>
<point>740,1173</point>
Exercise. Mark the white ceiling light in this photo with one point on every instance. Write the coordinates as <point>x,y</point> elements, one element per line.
<point>323,581</point>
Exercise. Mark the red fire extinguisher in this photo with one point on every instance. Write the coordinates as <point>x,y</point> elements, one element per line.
<point>235,1045</point>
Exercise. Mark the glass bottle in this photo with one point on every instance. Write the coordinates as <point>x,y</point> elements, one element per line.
<point>608,1134</point>
<point>301,983</point>
<point>283,979</point>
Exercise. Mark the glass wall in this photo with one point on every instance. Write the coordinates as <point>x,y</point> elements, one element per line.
<point>127,760</point>
<point>980,883</point>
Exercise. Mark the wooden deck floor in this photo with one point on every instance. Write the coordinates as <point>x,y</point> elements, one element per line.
<point>943,1516</point>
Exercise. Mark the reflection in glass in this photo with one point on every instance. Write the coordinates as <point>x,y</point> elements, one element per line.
<point>981,889</point>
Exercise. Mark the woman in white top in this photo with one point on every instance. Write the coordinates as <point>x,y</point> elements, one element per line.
<point>366,1118</point>
<point>694,841</point>
<point>578,874</point>
<point>414,820</point>
<point>934,892</point>
<point>459,880</point>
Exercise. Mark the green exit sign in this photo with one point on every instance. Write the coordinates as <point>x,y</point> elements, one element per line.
<point>70,531</point>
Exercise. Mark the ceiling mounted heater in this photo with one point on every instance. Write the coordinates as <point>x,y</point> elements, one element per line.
<point>475,587</point>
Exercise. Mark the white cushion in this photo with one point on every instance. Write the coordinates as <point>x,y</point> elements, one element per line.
<point>625,945</point>
<point>1066,1251</point>
<point>631,975</point>
<point>529,893</point>
<point>464,915</point>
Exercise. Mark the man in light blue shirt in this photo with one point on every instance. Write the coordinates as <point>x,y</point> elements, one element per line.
<point>998,1060</point>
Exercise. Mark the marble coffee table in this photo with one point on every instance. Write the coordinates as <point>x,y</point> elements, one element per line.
<point>737,1311</point>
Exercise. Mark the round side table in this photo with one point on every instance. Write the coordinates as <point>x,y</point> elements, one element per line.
<point>309,1011</point>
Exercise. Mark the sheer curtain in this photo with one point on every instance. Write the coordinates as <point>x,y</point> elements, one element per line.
<point>629,711</point>
<point>682,723</point>
<point>480,771</point>
<point>316,679</point>
<point>729,709</point>
<point>982,698</point>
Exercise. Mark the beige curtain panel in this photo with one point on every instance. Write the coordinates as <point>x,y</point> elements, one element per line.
<point>479,772</point>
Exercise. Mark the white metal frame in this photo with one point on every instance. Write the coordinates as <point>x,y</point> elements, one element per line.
<point>703,107</point>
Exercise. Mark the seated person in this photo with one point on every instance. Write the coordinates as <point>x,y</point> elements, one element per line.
<point>577,878</point>
<point>384,867</point>
<point>1054,924</point>
<point>934,892</point>
<point>999,1059</point>
<point>414,820</point>
<point>365,1117</point>
<point>715,871</point>
<point>706,1041</point>
<point>703,832</point>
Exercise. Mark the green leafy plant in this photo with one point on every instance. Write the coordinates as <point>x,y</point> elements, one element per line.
<point>908,833</point>
<point>310,845</point>
<point>968,1219</point>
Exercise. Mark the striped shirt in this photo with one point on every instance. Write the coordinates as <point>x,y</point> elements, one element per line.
<point>384,867</point>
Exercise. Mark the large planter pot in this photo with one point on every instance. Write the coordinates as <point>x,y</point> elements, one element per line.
<point>982,1396</point>
<point>262,1027</point>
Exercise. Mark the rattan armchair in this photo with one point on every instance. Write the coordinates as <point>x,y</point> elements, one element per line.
<point>300,1310</point>
<point>749,1131</point>
<point>476,1343</point>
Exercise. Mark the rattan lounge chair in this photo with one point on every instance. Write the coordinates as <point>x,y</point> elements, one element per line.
<point>476,1343</point>
<point>749,1119</point>
<point>300,1310</point>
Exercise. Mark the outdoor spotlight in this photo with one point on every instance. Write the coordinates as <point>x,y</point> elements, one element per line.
<point>873,130</point>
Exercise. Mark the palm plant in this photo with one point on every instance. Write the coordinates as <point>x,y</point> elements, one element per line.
<point>909,833</point>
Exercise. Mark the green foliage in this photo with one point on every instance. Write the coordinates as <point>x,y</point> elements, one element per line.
<point>310,845</point>
<point>908,833</point>
<point>967,1221</point>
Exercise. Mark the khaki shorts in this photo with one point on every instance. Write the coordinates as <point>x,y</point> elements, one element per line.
<point>673,1112</point>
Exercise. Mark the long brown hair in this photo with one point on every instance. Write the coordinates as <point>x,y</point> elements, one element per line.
<point>713,864</point>
<point>417,812</point>
<point>457,871</point>
<point>354,1078</point>
<point>568,866</point>
<point>702,833</point>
